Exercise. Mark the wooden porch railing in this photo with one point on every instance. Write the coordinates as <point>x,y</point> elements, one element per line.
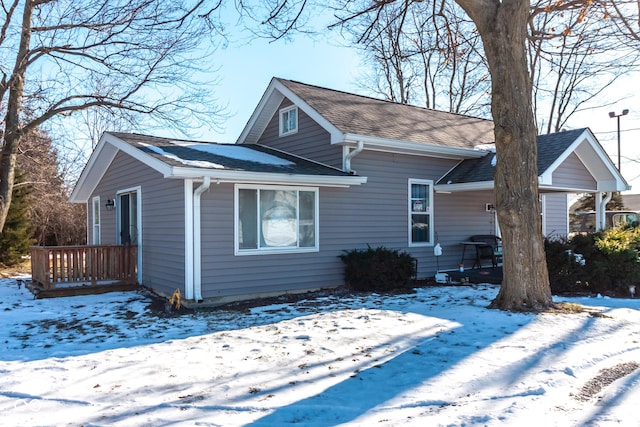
<point>63,266</point>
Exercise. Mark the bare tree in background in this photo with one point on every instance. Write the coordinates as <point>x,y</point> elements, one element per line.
<point>60,57</point>
<point>429,54</point>
<point>576,51</point>
<point>55,221</point>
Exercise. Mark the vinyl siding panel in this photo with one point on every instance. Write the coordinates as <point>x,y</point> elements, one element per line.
<point>573,174</point>
<point>162,220</point>
<point>556,215</point>
<point>311,141</point>
<point>374,213</point>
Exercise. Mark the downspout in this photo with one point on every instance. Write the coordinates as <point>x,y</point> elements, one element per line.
<point>350,155</point>
<point>601,210</point>
<point>197,249</point>
<point>188,239</point>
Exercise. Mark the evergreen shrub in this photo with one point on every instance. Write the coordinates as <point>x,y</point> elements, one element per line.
<point>377,269</point>
<point>606,261</point>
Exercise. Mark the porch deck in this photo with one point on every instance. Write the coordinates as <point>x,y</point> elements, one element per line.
<point>81,270</point>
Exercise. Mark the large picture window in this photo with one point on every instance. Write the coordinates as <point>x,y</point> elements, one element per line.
<point>276,219</point>
<point>420,213</point>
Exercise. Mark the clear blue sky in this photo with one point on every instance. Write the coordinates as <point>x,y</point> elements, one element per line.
<point>246,71</point>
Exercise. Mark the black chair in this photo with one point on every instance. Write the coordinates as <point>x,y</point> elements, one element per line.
<point>490,250</point>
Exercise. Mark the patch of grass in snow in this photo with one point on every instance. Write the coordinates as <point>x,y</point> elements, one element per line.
<point>574,308</point>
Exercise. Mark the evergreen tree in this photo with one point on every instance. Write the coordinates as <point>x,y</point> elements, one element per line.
<point>17,236</point>
<point>588,203</point>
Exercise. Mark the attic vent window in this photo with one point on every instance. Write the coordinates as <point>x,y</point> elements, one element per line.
<point>288,121</point>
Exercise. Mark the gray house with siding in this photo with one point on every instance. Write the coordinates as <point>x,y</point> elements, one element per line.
<point>315,172</point>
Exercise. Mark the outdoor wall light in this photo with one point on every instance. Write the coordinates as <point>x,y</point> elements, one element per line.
<point>110,205</point>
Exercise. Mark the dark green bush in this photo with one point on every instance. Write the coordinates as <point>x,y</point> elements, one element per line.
<point>566,274</point>
<point>378,269</point>
<point>610,262</point>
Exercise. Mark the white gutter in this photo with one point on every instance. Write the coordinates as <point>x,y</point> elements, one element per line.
<point>467,186</point>
<point>350,155</point>
<point>394,145</point>
<point>227,176</point>
<point>197,248</point>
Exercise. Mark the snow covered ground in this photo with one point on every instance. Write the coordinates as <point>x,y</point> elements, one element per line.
<point>437,357</point>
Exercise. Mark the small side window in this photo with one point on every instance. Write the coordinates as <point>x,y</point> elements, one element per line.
<point>288,121</point>
<point>96,220</point>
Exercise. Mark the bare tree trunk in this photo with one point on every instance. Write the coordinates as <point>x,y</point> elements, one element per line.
<point>13,131</point>
<point>502,26</point>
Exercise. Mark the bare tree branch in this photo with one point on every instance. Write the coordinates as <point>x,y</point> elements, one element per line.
<point>128,57</point>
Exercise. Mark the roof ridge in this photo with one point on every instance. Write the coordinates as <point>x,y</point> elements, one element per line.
<point>382,100</point>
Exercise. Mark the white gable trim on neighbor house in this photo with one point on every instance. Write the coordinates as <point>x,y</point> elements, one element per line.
<point>595,161</point>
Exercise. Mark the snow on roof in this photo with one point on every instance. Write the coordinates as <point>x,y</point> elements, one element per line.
<point>236,152</point>
<point>194,163</point>
<point>223,150</point>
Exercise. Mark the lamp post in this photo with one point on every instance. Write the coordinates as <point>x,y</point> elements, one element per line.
<point>612,115</point>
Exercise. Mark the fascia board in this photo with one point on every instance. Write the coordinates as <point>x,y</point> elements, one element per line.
<point>336,134</point>
<point>603,186</point>
<point>607,163</point>
<point>93,171</point>
<point>546,176</point>
<point>268,106</point>
<point>597,154</point>
<point>142,157</point>
<point>602,154</point>
<point>543,188</point>
<point>613,185</point>
<point>470,186</point>
<point>267,178</point>
<point>408,147</point>
<point>99,162</point>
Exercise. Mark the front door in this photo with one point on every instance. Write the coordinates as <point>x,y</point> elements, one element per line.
<point>129,223</point>
<point>128,218</point>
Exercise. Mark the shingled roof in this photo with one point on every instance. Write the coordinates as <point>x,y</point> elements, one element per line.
<point>206,155</point>
<point>362,115</point>
<point>550,147</point>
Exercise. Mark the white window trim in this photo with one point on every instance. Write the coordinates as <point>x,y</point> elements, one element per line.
<point>283,111</point>
<point>409,212</point>
<point>96,238</point>
<point>285,250</point>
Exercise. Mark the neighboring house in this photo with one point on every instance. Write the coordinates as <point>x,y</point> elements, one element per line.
<point>315,172</point>
<point>631,201</point>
